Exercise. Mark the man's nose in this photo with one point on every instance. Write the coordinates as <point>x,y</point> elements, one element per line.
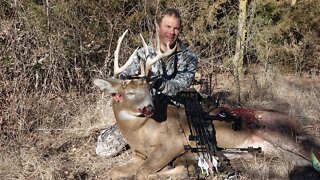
<point>171,31</point>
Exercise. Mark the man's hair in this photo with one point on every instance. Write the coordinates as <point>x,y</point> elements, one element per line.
<point>169,12</point>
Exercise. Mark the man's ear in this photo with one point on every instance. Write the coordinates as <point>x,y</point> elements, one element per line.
<point>109,85</point>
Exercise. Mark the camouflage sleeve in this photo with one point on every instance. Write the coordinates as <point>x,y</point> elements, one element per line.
<point>186,68</point>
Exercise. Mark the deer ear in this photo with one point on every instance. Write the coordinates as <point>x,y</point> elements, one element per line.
<point>109,85</point>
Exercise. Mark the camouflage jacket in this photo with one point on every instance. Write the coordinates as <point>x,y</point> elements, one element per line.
<point>177,70</point>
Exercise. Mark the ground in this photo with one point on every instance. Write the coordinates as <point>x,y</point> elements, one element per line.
<point>57,136</point>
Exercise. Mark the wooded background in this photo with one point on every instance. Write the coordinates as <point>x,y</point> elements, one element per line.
<point>55,46</point>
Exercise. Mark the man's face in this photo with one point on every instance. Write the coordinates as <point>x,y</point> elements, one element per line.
<point>169,30</point>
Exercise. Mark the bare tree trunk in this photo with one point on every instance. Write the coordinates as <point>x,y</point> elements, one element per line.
<point>238,57</point>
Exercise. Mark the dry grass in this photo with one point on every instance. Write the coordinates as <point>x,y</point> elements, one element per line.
<point>56,136</point>
<point>295,96</point>
<point>62,145</point>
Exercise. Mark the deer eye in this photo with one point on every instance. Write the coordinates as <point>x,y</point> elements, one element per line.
<point>131,94</point>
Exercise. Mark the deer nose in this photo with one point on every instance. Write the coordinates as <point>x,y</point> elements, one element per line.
<point>147,110</point>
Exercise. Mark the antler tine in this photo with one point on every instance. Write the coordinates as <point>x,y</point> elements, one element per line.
<point>159,53</point>
<point>117,69</point>
<point>142,68</point>
<point>145,46</point>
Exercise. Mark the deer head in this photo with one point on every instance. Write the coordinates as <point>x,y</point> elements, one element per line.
<point>132,98</point>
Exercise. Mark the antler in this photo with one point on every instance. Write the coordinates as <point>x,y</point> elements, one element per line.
<point>151,61</point>
<point>117,69</point>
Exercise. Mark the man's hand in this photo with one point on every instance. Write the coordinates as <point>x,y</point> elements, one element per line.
<point>158,84</point>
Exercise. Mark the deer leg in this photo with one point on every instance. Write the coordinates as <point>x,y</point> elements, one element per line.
<point>127,170</point>
<point>297,153</point>
<point>179,172</point>
<point>158,159</point>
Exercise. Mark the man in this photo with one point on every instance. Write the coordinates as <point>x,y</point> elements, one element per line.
<point>174,73</point>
